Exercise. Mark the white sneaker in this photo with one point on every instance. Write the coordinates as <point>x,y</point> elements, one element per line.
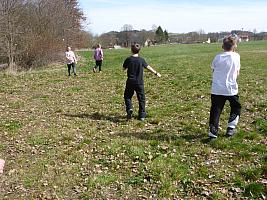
<point>230,131</point>
<point>212,135</point>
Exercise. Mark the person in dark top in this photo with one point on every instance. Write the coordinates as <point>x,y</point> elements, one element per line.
<point>135,67</point>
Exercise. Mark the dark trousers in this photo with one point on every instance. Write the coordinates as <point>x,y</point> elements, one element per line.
<point>73,66</point>
<point>217,104</point>
<point>140,92</point>
<point>98,63</point>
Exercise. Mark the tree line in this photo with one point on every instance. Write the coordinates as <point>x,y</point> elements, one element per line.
<point>202,37</point>
<point>128,35</point>
<point>156,35</point>
<point>32,32</point>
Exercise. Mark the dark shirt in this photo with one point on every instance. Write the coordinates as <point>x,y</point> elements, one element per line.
<point>135,69</point>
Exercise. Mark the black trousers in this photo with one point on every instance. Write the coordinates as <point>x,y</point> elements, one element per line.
<point>140,92</point>
<point>217,104</point>
<point>98,63</point>
<point>73,66</point>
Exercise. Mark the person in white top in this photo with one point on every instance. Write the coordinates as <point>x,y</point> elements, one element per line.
<point>71,60</point>
<point>225,67</point>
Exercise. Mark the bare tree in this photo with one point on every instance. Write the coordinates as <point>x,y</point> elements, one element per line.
<point>202,36</point>
<point>107,39</point>
<point>10,28</point>
<point>127,29</point>
<point>254,33</point>
<point>154,28</point>
<point>143,36</point>
<point>35,30</point>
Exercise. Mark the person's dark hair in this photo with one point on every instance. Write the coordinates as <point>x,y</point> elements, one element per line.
<point>135,48</point>
<point>229,43</point>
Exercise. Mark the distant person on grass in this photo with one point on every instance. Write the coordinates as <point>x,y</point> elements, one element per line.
<point>71,60</point>
<point>135,67</point>
<point>225,68</point>
<point>98,56</point>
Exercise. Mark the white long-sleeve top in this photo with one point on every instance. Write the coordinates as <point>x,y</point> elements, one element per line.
<point>70,56</point>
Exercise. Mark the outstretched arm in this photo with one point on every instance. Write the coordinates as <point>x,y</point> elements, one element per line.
<point>102,54</point>
<point>153,71</point>
<point>75,58</point>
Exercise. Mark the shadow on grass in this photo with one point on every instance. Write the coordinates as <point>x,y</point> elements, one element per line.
<point>187,137</point>
<point>98,116</point>
<point>163,137</point>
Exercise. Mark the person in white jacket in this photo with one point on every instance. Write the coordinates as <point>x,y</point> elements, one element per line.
<point>71,60</point>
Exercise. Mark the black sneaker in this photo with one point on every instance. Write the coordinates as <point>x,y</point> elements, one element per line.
<point>230,132</point>
<point>129,114</point>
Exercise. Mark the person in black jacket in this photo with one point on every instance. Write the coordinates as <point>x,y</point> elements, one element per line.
<point>135,67</point>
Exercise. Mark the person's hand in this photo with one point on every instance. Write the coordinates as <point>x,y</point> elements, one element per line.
<point>158,74</point>
<point>2,164</point>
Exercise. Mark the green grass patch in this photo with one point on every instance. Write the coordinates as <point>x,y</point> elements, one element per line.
<point>255,190</point>
<point>68,138</point>
<point>101,180</point>
<point>261,126</point>
<point>13,126</point>
<point>251,174</point>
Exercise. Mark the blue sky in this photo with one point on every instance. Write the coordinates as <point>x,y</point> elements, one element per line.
<point>176,16</point>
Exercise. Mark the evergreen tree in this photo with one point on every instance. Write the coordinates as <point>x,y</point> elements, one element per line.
<point>159,35</point>
<point>166,36</point>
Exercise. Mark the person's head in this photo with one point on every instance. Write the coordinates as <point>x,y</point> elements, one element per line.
<point>98,46</point>
<point>229,43</point>
<point>68,48</point>
<point>135,48</point>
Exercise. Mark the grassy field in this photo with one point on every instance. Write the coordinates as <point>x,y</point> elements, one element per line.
<point>67,137</point>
